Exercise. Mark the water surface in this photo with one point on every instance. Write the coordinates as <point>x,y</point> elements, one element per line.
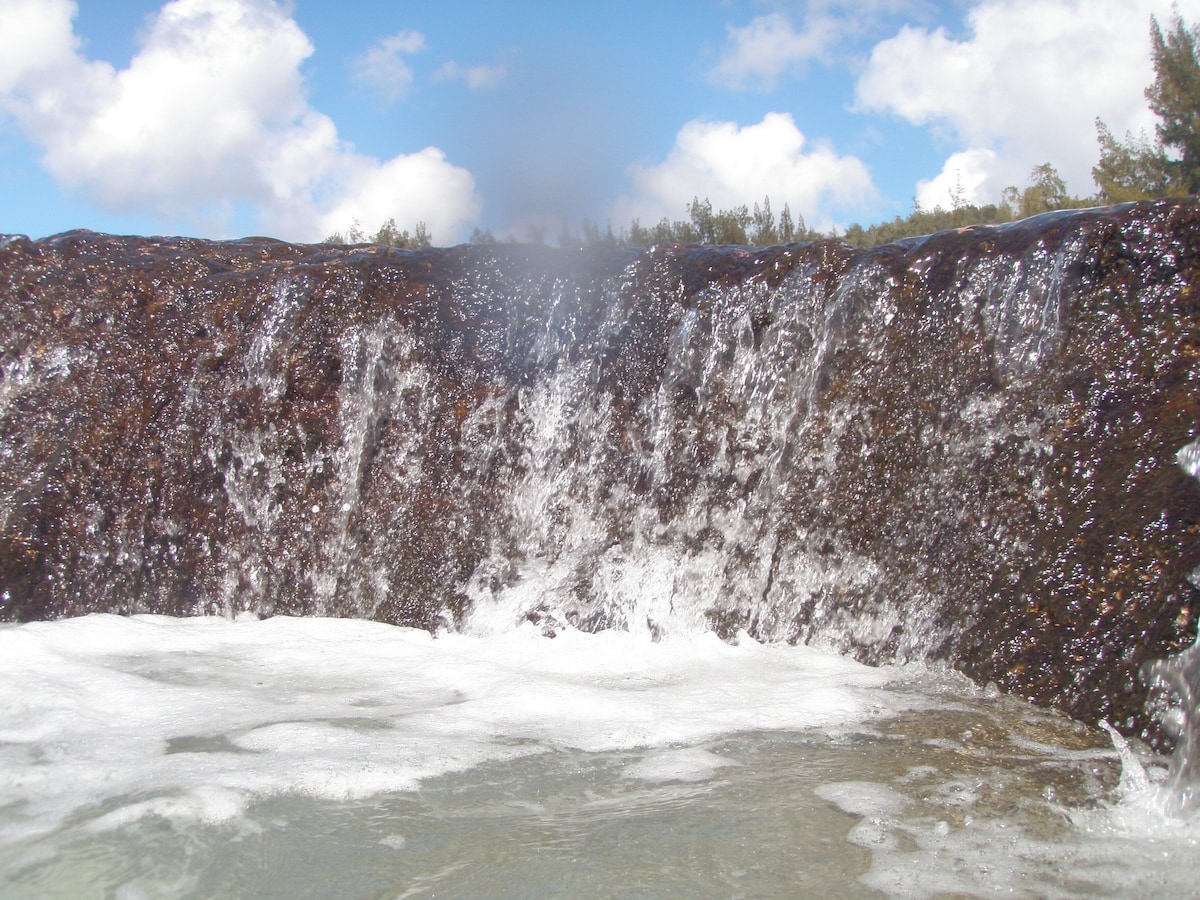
<point>153,756</point>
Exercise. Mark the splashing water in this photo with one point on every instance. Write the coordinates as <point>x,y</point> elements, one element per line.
<point>1175,696</point>
<point>630,499</point>
<point>949,448</point>
<point>151,756</point>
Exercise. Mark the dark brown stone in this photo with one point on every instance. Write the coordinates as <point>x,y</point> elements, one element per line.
<point>959,447</point>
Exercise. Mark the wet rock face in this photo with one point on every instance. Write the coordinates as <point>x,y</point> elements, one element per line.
<point>962,447</point>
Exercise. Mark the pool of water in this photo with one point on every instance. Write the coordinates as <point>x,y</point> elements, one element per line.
<point>153,757</point>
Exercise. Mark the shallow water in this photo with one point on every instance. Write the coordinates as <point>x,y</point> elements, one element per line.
<point>152,757</point>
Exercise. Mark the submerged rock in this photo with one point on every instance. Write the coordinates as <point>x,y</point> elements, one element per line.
<point>960,447</point>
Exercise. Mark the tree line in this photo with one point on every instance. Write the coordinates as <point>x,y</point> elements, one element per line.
<point>1133,168</point>
<point>388,235</point>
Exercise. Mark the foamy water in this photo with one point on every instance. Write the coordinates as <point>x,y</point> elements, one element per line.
<point>197,717</point>
<point>151,756</point>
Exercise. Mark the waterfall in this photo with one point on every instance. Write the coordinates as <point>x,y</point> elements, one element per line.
<point>961,447</point>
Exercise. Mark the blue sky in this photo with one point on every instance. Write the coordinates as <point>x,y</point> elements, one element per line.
<point>222,118</point>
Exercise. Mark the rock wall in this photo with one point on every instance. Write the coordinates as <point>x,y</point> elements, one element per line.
<point>959,447</point>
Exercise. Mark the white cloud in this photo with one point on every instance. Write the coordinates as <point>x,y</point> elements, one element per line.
<point>1023,88</point>
<point>36,37</point>
<point>759,53</point>
<point>967,177</point>
<point>771,46</point>
<point>475,77</point>
<point>421,181</point>
<point>383,68</point>
<point>210,114</point>
<point>733,165</point>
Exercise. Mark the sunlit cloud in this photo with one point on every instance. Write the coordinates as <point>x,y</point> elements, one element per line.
<point>37,37</point>
<point>966,177</point>
<point>210,115</point>
<point>1022,88</point>
<point>732,165</point>
<point>417,187</point>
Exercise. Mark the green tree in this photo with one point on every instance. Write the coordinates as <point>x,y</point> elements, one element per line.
<point>701,214</point>
<point>1175,98</point>
<point>354,235</point>
<point>1135,168</point>
<point>729,226</point>
<point>763,232</point>
<point>1047,191</point>
<point>388,235</point>
<point>787,228</point>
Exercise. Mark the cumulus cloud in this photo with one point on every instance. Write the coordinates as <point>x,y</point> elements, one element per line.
<point>37,37</point>
<point>369,190</point>
<point>1023,87</point>
<point>383,68</point>
<point>475,77</point>
<point>732,165</point>
<point>757,54</point>
<point>210,114</point>
<point>967,177</point>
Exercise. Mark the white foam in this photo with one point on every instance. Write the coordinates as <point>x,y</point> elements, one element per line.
<point>1188,458</point>
<point>690,764</point>
<point>192,719</point>
<point>930,835</point>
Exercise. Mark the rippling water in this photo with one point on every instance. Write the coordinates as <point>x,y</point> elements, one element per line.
<point>314,757</point>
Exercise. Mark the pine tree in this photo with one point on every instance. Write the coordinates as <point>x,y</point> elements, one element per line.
<point>787,228</point>
<point>1175,99</point>
<point>763,231</point>
<point>701,214</point>
<point>1135,169</point>
<point>1046,191</point>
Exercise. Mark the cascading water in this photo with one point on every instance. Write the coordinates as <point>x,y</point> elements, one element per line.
<point>960,448</point>
<point>1175,694</point>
